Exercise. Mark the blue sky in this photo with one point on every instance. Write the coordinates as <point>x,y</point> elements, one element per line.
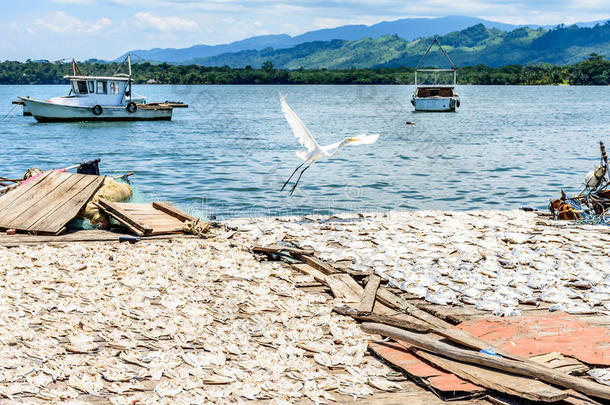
<point>55,29</point>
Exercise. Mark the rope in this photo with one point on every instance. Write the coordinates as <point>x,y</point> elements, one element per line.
<point>196,227</point>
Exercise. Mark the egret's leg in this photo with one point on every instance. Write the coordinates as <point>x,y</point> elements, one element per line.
<point>302,171</point>
<point>295,170</point>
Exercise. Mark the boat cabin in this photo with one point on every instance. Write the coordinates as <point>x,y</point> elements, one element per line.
<point>92,90</point>
<point>435,91</point>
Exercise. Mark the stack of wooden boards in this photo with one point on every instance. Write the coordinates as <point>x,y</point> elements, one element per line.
<point>146,219</point>
<point>447,358</point>
<point>46,203</point>
<point>43,205</point>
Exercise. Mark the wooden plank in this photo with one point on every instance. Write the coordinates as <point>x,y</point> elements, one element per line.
<point>146,218</point>
<point>77,236</point>
<point>403,321</point>
<point>528,369</point>
<point>31,197</point>
<point>126,224</point>
<point>370,292</point>
<point>7,201</point>
<point>73,201</point>
<point>116,212</point>
<point>345,287</point>
<point>174,212</point>
<point>51,203</point>
<point>280,248</point>
<point>442,328</point>
<point>576,398</point>
<point>544,332</point>
<point>315,273</point>
<point>436,378</point>
<point>506,383</point>
<point>316,263</point>
<point>559,362</point>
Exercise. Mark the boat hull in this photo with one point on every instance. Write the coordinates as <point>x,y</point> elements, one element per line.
<point>435,104</point>
<point>50,112</point>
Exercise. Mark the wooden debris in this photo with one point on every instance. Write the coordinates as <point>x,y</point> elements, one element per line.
<point>560,362</point>
<point>506,383</point>
<point>532,335</point>
<point>47,203</point>
<point>316,263</point>
<point>434,377</point>
<point>441,327</point>
<point>146,219</point>
<point>529,369</point>
<point>368,298</point>
<point>400,321</point>
<point>277,249</point>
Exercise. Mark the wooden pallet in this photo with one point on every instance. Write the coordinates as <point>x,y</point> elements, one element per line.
<point>45,204</point>
<point>146,219</point>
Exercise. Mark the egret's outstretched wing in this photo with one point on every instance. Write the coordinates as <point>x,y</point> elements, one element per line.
<point>298,128</point>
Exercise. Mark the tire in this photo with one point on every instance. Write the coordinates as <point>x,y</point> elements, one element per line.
<point>131,107</point>
<point>97,109</point>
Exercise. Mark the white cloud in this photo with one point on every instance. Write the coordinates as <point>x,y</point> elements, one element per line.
<point>165,24</point>
<point>63,23</point>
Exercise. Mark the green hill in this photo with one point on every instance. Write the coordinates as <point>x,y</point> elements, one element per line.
<point>472,46</point>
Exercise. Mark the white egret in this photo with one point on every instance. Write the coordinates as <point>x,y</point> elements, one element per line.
<point>314,151</point>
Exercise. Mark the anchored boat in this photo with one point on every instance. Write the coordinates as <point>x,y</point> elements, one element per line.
<point>98,98</point>
<point>435,97</point>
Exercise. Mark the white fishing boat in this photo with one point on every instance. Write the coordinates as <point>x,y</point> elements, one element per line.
<point>98,98</point>
<point>435,97</point>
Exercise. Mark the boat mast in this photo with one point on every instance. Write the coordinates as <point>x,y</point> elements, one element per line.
<point>453,67</point>
<point>129,64</point>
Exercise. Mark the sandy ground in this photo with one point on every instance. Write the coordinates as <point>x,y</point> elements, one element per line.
<point>185,321</point>
<point>495,260</point>
<point>200,321</point>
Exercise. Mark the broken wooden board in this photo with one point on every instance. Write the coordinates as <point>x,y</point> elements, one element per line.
<point>96,235</point>
<point>146,219</point>
<point>368,297</point>
<point>560,362</point>
<point>523,387</point>
<point>47,203</point>
<point>532,335</point>
<point>431,376</point>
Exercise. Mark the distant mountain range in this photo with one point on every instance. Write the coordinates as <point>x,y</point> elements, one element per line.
<point>402,43</point>
<point>407,28</point>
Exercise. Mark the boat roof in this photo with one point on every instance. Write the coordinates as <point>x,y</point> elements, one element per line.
<point>119,78</point>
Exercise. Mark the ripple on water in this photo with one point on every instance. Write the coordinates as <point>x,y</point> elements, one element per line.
<point>232,150</point>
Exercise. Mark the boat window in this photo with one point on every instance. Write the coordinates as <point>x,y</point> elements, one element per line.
<point>101,87</point>
<point>114,87</point>
<point>82,86</point>
<point>91,86</point>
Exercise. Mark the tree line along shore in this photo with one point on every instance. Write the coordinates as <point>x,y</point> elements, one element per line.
<point>593,71</point>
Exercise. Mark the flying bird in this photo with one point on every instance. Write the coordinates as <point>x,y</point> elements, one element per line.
<point>314,151</point>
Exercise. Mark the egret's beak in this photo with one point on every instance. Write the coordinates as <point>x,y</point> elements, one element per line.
<point>353,139</point>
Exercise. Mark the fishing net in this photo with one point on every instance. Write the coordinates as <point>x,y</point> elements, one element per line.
<point>588,215</point>
<point>111,190</point>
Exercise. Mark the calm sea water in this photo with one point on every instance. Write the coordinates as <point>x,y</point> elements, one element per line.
<point>230,152</point>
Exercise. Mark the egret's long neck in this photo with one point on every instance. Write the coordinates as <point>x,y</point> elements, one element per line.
<point>342,144</point>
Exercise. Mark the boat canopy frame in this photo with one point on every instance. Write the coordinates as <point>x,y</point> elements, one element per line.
<point>452,69</point>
